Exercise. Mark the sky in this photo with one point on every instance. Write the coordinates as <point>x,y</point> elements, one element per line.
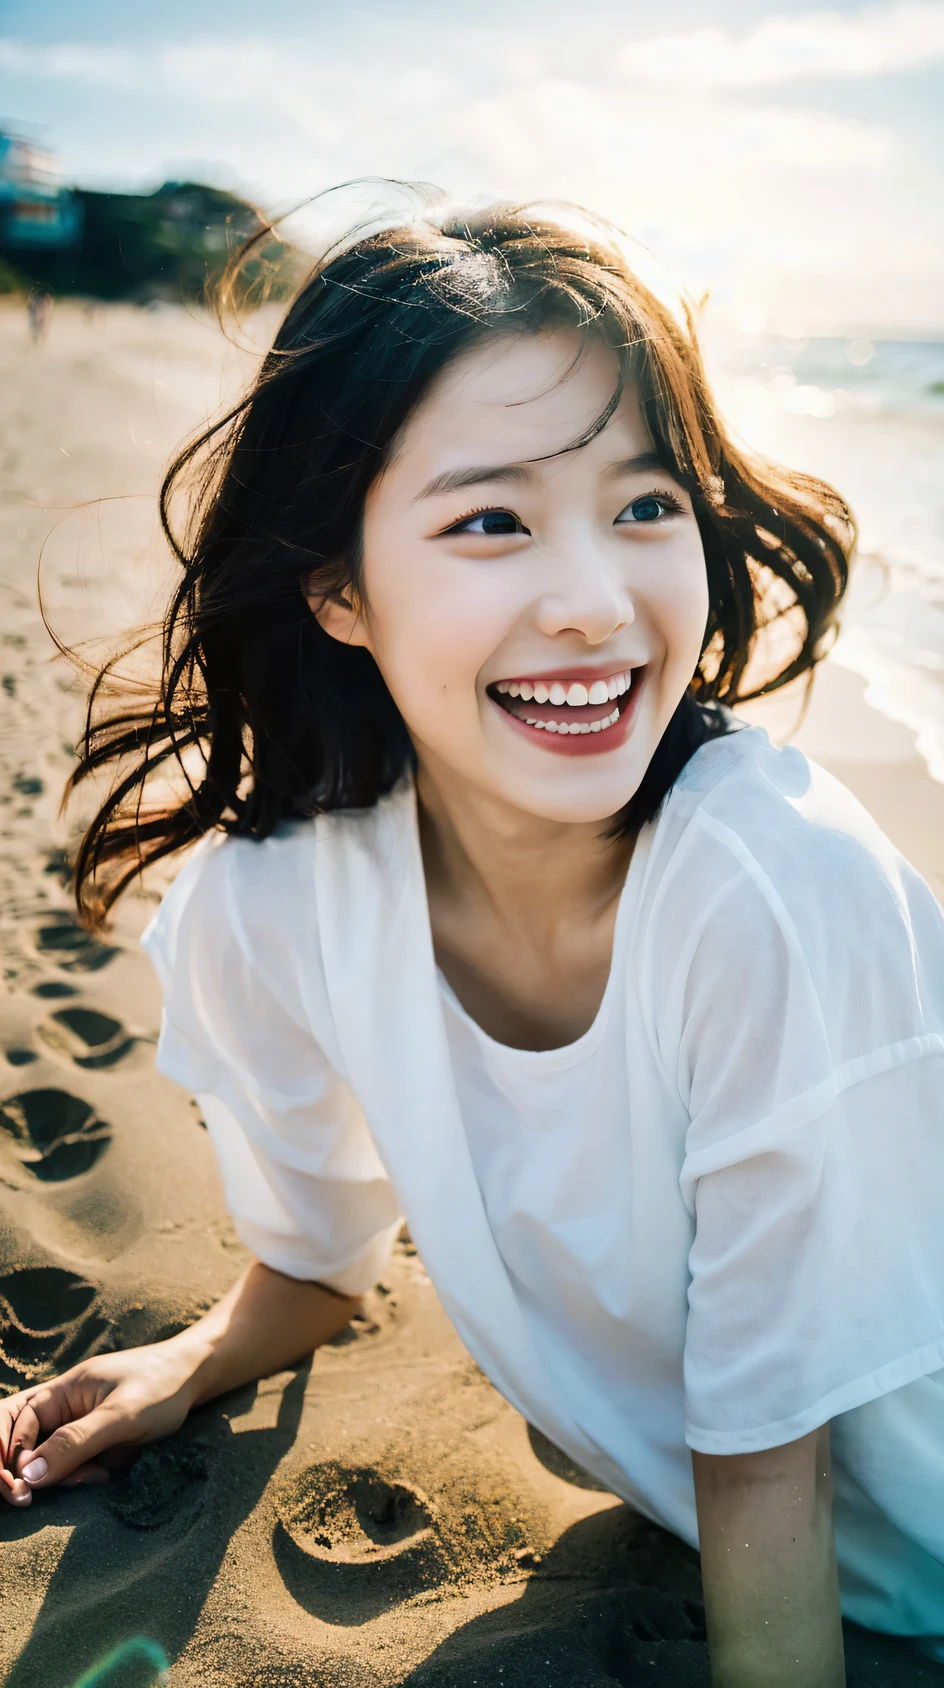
<point>786,159</point>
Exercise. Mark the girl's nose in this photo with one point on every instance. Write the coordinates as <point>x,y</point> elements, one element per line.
<point>588,602</point>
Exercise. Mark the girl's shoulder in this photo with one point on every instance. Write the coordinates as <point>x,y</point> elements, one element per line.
<point>257,900</point>
<point>773,813</point>
<point>763,866</point>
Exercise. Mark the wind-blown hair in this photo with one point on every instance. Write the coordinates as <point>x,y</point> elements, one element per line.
<point>279,719</point>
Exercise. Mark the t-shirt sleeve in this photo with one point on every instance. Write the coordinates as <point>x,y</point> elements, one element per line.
<point>810,1056</point>
<point>303,1182</point>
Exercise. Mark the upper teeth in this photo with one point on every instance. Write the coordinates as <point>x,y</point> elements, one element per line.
<point>575,695</point>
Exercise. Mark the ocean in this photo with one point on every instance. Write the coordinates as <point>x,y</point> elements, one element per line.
<point>868,416</point>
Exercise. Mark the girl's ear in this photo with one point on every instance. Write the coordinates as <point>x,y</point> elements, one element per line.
<point>337,612</point>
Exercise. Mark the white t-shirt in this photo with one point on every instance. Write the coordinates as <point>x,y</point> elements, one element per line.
<point>720,1211</point>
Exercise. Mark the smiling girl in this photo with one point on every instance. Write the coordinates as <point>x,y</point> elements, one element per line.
<point>502,922</point>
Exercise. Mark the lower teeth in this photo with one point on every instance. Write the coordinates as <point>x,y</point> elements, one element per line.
<point>577,727</point>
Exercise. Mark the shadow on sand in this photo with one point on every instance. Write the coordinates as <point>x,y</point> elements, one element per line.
<point>618,1602</point>
<point>145,1551</point>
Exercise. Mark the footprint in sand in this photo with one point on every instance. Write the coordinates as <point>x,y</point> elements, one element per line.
<point>348,1533</point>
<point>53,1135</point>
<point>350,1542</point>
<point>62,940</point>
<point>20,1057</point>
<point>164,1483</point>
<point>351,1515</point>
<point>86,1038</point>
<point>48,1320</point>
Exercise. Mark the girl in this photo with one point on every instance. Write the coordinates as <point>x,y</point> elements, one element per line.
<point>502,922</point>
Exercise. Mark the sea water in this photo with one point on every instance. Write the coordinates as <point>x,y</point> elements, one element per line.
<point>868,416</point>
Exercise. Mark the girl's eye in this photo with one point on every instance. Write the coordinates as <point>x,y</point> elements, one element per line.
<point>650,508</point>
<point>490,522</point>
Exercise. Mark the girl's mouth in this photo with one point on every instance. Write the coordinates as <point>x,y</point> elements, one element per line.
<point>579,714</point>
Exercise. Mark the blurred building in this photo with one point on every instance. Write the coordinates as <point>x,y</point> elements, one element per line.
<point>37,214</point>
<point>164,245</point>
<point>171,244</point>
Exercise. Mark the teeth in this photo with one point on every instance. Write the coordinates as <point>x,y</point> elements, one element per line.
<point>576,695</point>
<point>573,726</point>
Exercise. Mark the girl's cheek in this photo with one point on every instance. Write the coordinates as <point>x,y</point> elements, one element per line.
<point>431,660</point>
<point>454,633</point>
<point>681,602</point>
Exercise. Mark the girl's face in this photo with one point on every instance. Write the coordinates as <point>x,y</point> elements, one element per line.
<point>536,622</point>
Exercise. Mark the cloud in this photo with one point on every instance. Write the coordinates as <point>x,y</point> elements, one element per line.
<point>733,186</point>
<point>415,114</point>
<point>907,35</point>
<point>83,64</point>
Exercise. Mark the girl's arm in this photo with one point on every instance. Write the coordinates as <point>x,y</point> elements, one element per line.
<point>62,1430</point>
<point>768,1562</point>
<point>266,1323</point>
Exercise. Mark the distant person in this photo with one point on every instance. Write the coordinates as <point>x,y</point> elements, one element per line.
<point>39,313</point>
<point>502,921</point>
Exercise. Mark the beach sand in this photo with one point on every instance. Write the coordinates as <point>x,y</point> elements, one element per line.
<point>381,1516</point>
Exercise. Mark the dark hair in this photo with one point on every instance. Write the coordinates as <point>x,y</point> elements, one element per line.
<point>283,720</point>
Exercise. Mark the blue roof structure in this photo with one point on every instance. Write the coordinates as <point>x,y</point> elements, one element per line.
<point>36,212</point>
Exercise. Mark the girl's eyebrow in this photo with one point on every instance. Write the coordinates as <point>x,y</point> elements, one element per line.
<point>638,465</point>
<point>453,479</point>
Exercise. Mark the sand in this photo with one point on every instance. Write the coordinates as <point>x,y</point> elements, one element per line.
<point>381,1516</point>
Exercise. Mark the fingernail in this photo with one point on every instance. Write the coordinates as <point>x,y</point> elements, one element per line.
<point>36,1470</point>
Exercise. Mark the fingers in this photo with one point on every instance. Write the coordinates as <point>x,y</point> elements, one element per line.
<point>13,1490</point>
<point>26,1432</point>
<point>18,1492</point>
<point>10,1408</point>
<point>70,1447</point>
<point>28,1418</point>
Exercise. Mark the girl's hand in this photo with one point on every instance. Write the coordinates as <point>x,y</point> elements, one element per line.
<point>72,1429</point>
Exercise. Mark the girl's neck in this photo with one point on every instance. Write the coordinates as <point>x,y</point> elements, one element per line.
<point>518,868</point>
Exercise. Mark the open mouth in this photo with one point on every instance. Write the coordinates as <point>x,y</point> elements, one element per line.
<point>568,707</point>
